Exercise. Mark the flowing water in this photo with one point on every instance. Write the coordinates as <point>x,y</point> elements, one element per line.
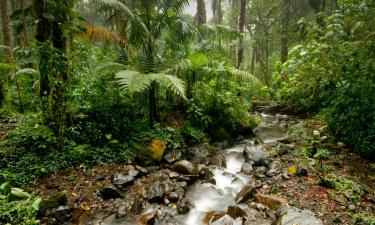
<point>208,197</point>
<point>229,181</point>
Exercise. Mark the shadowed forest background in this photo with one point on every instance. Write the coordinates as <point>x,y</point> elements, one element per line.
<point>105,83</point>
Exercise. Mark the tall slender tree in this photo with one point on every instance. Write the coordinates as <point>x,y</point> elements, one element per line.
<point>5,24</point>
<point>25,34</point>
<point>241,28</point>
<point>201,12</point>
<point>285,4</point>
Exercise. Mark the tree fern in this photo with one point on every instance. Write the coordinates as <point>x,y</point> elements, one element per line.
<point>109,67</point>
<point>135,82</point>
<point>243,76</point>
<point>26,72</point>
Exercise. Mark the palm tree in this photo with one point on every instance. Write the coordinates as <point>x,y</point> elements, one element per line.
<point>147,24</point>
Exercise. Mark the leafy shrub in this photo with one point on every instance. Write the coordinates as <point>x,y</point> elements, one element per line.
<point>363,219</point>
<point>335,70</point>
<point>213,108</point>
<point>18,211</point>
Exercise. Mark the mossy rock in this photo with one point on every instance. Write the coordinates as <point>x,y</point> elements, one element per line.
<point>52,202</point>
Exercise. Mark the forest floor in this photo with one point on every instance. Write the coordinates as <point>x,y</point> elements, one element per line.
<point>104,194</point>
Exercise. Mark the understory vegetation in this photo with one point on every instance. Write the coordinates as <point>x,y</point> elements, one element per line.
<point>86,83</point>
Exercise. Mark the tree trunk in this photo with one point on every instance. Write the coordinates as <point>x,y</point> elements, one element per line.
<point>5,24</point>
<point>241,27</point>
<point>42,35</point>
<point>252,66</point>
<point>284,31</point>
<point>2,93</point>
<point>153,104</point>
<point>201,12</point>
<point>15,4</point>
<point>234,26</point>
<point>25,34</point>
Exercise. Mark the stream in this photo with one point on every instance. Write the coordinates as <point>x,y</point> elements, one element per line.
<point>229,180</point>
<point>219,189</point>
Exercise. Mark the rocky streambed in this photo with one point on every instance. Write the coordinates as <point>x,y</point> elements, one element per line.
<point>246,184</point>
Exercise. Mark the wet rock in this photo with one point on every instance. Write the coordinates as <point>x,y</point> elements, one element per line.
<point>173,156</point>
<point>184,167</point>
<point>121,179</point>
<point>218,160</point>
<point>302,172</point>
<point>141,169</point>
<point>235,212</point>
<point>115,220</point>
<point>224,220</point>
<point>157,191</point>
<point>271,133</point>
<point>131,205</point>
<point>52,202</point>
<point>247,193</point>
<point>292,215</point>
<point>147,218</point>
<point>246,168</point>
<point>109,191</point>
<point>259,222</point>
<point>270,201</point>
<point>205,173</point>
<point>63,214</point>
<point>274,168</point>
<point>184,206</point>
<point>256,155</point>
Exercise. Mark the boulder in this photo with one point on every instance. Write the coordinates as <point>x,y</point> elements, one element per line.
<point>109,191</point>
<point>184,206</point>
<point>292,215</point>
<point>122,179</point>
<point>256,155</point>
<point>247,193</point>
<point>224,220</point>
<point>259,222</point>
<point>218,160</point>
<point>63,214</point>
<point>236,212</point>
<point>184,167</point>
<point>53,202</point>
<point>147,218</point>
<point>173,156</point>
<point>247,168</point>
<point>270,201</point>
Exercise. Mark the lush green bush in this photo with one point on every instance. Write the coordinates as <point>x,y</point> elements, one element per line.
<point>335,70</point>
<point>20,210</point>
<point>226,106</point>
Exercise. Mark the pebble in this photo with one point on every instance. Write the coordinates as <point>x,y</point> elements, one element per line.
<point>352,207</point>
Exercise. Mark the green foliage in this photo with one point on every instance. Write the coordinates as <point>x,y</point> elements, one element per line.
<point>133,82</point>
<point>364,219</point>
<point>346,186</point>
<point>334,70</point>
<point>213,108</point>
<point>22,211</point>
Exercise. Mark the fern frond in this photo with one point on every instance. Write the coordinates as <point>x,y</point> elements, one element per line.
<point>244,76</point>
<point>179,67</point>
<point>170,82</point>
<point>133,81</point>
<point>26,71</point>
<point>109,67</point>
